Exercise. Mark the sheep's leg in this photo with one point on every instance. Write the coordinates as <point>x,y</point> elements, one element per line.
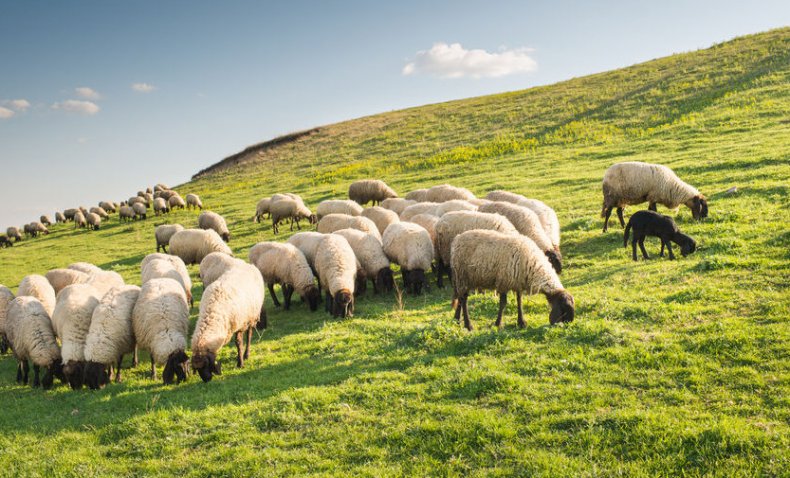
<point>239,344</point>
<point>328,302</point>
<point>642,247</point>
<point>19,372</point>
<point>135,358</point>
<point>502,305</point>
<point>633,246</point>
<point>118,370</point>
<point>521,322</point>
<point>274,296</point>
<point>669,248</point>
<point>36,371</point>
<point>439,272</point>
<point>288,292</point>
<point>652,207</point>
<point>662,247</point>
<point>467,322</point>
<point>297,225</point>
<point>153,368</point>
<point>263,321</point>
<point>620,216</point>
<point>25,370</point>
<point>606,218</point>
<point>292,224</point>
<point>249,341</point>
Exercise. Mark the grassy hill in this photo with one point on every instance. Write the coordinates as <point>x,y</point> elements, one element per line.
<point>671,368</point>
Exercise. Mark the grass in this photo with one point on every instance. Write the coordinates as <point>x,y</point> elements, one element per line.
<point>670,369</point>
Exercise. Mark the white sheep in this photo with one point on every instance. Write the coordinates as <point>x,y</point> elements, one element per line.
<point>79,220</point>
<point>337,206</point>
<point>13,233</point>
<point>548,218</point>
<point>93,220</point>
<point>176,202</point>
<point>366,190</point>
<point>334,222</point>
<point>337,270</point>
<point>103,281</point>
<point>428,222</point>
<point>39,287</point>
<point>261,209</point>
<point>447,192</point>
<point>71,321</point>
<point>419,208</point>
<point>59,217</point>
<point>166,268</point>
<point>409,245</point>
<point>161,206</point>
<point>30,335</point>
<point>381,217</point>
<point>633,182</point>
<point>160,320</point>
<point>194,202</point>
<point>85,267</point>
<point>192,245</point>
<point>100,211</point>
<point>231,305</point>
<point>370,254</point>
<point>45,220</point>
<point>418,195</point>
<point>490,260</point>
<point>214,265</point>
<point>212,220</point>
<point>286,265</point>
<point>6,296</point>
<point>60,278</point>
<point>179,266</point>
<point>307,242</point>
<point>164,233</point>
<point>108,206</point>
<point>397,205</point>
<point>289,208</point>
<point>140,211</point>
<point>126,213</point>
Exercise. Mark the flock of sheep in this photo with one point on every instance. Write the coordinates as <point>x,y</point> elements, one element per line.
<point>77,323</point>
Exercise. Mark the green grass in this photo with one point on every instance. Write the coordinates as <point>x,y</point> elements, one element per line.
<point>670,369</point>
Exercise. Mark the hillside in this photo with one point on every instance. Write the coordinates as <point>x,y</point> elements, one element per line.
<point>670,368</point>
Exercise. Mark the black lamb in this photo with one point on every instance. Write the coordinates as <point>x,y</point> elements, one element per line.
<point>649,223</point>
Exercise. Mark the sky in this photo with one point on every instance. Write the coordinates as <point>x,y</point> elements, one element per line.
<point>101,99</point>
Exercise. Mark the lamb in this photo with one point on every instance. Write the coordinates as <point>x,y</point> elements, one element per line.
<point>176,202</point>
<point>528,224</point>
<point>160,320</point>
<point>140,211</point>
<point>447,192</point>
<point>60,218</point>
<point>93,220</point>
<point>261,209</point>
<point>29,332</point>
<point>6,296</point>
<point>212,220</point>
<point>167,267</point>
<point>233,304</point>
<point>61,278</point>
<point>161,206</point>
<point>409,245</point>
<point>418,195</point>
<point>381,217</point>
<point>397,205</point>
<point>337,206</point>
<point>71,321</point>
<point>548,218</point>
<point>13,233</point>
<point>126,214</point>
<point>214,265</point>
<point>194,202</point>
<point>486,259</point>
<point>192,245</point>
<point>419,208</point>
<point>370,254</point>
<point>85,267</point>
<point>289,208</point>
<point>334,222</point>
<point>164,233</point>
<point>337,270</point>
<point>108,206</point>
<point>100,211</point>
<point>454,205</point>
<point>650,223</point>
<point>634,182</point>
<point>366,190</point>
<point>38,286</point>
<point>286,265</point>
<point>45,220</point>
<point>454,223</point>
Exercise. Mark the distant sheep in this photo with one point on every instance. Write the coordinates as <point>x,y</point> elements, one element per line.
<point>337,270</point>
<point>194,202</point>
<point>409,245</point>
<point>286,265</point>
<point>418,195</point>
<point>140,211</point>
<point>79,220</point>
<point>93,220</point>
<point>176,202</point>
<point>69,213</point>
<point>38,286</point>
<point>367,190</point>
<point>212,220</point>
<point>126,214</point>
<point>447,192</point>
<point>5,242</point>
<point>289,208</point>
<point>334,222</point>
<point>30,335</point>
<point>381,217</point>
<point>37,228</point>
<point>337,206</point>
<point>100,211</point>
<point>161,206</point>
<point>397,205</point>
<point>13,233</point>
<point>71,321</point>
<point>650,223</point>
<point>60,218</point>
<point>45,220</point>
<point>192,245</point>
<point>370,254</point>
<point>108,206</point>
<point>261,209</point>
<point>164,233</point>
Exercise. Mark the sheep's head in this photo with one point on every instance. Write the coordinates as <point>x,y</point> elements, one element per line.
<point>686,243</point>
<point>414,280</point>
<point>206,366</point>
<point>344,304</point>
<point>55,369</point>
<point>698,206</point>
<point>74,373</point>
<point>176,368</point>
<point>313,219</point>
<point>385,281</point>
<point>226,236</point>
<point>311,296</point>
<point>555,258</point>
<point>96,376</point>
<point>562,307</point>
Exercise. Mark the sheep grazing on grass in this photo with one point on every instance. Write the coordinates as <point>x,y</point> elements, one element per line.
<point>447,192</point>
<point>337,270</point>
<point>61,278</point>
<point>69,213</point>
<point>289,208</point>
<point>409,245</point>
<point>161,206</point>
<point>633,182</point>
<point>6,296</point>
<point>231,305</point>
<point>164,233</point>
<point>45,220</point>
<point>428,222</point>
<point>166,195</point>
<point>30,335</point>
<point>36,228</point>
<point>170,267</point>
<point>71,321</point>
<point>261,209</point>
<point>214,265</point>
<point>370,254</point>
<point>93,220</point>
<point>491,260</point>
<point>548,218</point>
<point>397,205</point>
<point>161,187</point>
<point>334,222</point>
<point>176,202</point>
<point>137,200</point>
<point>454,205</point>
<point>13,233</point>
<point>367,190</point>
<point>160,321</point>
<point>418,195</point>
<point>650,223</point>
<point>100,211</point>
<point>193,245</point>
<point>194,202</point>
<point>108,206</point>
<point>212,220</point>
<point>140,211</point>
<point>286,265</point>
<point>307,242</point>
<point>126,214</point>
<point>79,220</point>
<point>337,206</point>
<point>39,287</point>
<point>5,242</point>
<point>381,217</point>
<point>60,218</point>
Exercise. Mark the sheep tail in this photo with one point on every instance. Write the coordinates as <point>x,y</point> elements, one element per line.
<point>626,234</point>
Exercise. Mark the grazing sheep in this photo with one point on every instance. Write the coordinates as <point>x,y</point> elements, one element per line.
<point>6,296</point>
<point>409,245</point>
<point>447,192</point>
<point>192,245</point>
<point>428,222</point>
<point>419,208</point>
<point>231,305</point>
<point>160,321</point>
<point>126,213</point>
<point>397,205</point>
<point>30,335</point>
<point>633,182</point>
<point>194,202</point>
<point>418,195</point>
<point>370,254</point>
<point>337,206</point>
<point>366,190</point>
<point>289,208</point>
<point>454,205</point>
<point>103,281</point>
<point>100,211</point>
<point>137,200</point>
<point>166,195</point>
<point>61,278</point>
<point>176,261</point>
<point>167,267</point>
<point>161,187</point>
<point>261,209</point>
<point>212,220</point>
<point>528,224</point>
<point>214,265</point>
<point>381,217</point>
<point>650,223</point>
<point>491,260</point>
<point>37,228</point>
<point>140,211</point>
<point>60,218</point>
<point>85,267</point>
<point>45,220</point>
<point>13,233</point>
<point>454,223</point>
<point>93,220</point>
<point>176,202</point>
<point>69,213</point>
<point>548,218</point>
<point>337,270</point>
<point>71,321</point>
<point>334,222</point>
<point>5,242</point>
<point>286,265</point>
<point>161,206</point>
<point>38,286</point>
<point>108,206</point>
<point>307,242</point>
<point>164,233</point>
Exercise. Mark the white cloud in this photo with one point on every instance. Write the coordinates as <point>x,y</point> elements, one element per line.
<point>18,105</point>
<point>454,61</point>
<point>87,93</point>
<point>143,87</point>
<point>77,106</point>
<point>5,113</point>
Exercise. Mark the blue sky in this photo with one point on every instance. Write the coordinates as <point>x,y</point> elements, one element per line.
<point>214,77</point>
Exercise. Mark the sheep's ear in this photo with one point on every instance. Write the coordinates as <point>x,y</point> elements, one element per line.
<point>218,368</point>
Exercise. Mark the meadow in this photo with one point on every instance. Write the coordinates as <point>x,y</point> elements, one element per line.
<point>671,368</point>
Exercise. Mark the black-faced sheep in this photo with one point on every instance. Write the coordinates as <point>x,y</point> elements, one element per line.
<point>126,214</point>
<point>286,265</point>
<point>366,190</point>
<point>194,202</point>
<point>140,211</point>
<point>261,209</point>
<point>650,223</point>
<point>164,233</point>
<point>176,202</point>
<point>409,245</point>
<point>337,270</point>
<point>93,220</point>
<point>370,254</point>
<point>45,220</point>
<point>13,233</point>
<point>71,321</point>
<point>212,220</point>
<point>161,206</point>
<point>289,208</point>
<point>100,211</point>
<point>30,335</point>
<point>60,218</point>
<point>108,206</point>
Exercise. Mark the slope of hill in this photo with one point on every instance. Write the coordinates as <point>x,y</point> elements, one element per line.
<point>671,368</point>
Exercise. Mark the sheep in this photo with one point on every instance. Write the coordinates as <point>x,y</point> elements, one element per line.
<point>149,199</point>
<point>166,195</point>
<point>161,206</point>
<point>289,208</point>
<point>454,223</point>
<point>5,242</point>
<point>38,286</point>
<point>192,245</point>
<point>370,254</point>
<point>419,208</point>
<point>161,187</point>
<point>137,200</point>
<point>126,213</point>
<point>334,222</point>
<point>650,223</point>
<point>528,224</point>
<point>418,195</point>
<point>176,261</point>
<point>30,335</point>
<point>428,222</point>
<point>337,271</point>
<point>6,296</point>
<point>633,182</point>
<point>409,245</point>
<point>167,267</point>
<point>337,206</point>
<point>454,205</point>
<point>478,202</point>
<point>60,218</point>
<point>45,220</point>
<point>447,192</point>
<point>233,304</point>
<point>548,218</point>
<point>366,190</point>
<point>397,205</point>
<point>69,213</point>
<point>108,206</point>
<point>60,278</point>
<point>100,211</point>
<point>85,267</point>
<point>93,220</point>
<point>212,220</point>
<point>193,201</point>
<point>160,320</point>
<point>286,265</point>
<point>487,259</point>
<point>261,209</point>
<point>13,233</point>
<point>140,211</point>
<point>71,321</point>
<point>381,217</point>
<point>164,233</point>
<point>176,202</point>
<point>214,265</point>
<point>37,228</point>
<point>103,281</point>
<point>307,242</point>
